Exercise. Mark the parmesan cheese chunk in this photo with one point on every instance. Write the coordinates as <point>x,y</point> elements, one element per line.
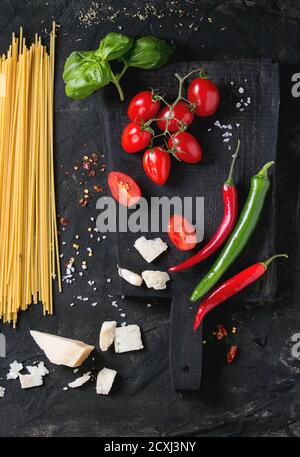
<point>35,376</point>
<point>128,338</point>
<point>105,381</point>
<point>15,368</point>
<point>133,278</point>
<point>156,279</point>
<point>62,351</point>
<point>30,380</point>
<point>107,335</point>
<point>80,381</point>
<point>150,249</point>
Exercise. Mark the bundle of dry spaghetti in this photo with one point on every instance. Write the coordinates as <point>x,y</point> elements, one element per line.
<point>29,255</point>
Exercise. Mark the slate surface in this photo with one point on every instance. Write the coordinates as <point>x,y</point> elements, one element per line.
<point>257,395</point>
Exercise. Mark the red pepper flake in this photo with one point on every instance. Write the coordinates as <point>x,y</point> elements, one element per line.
<point>98,189</point>
<point>64,221</point>
<point>92,173</point>
<point>83,202</point>
<point>94,157</point>
<point>221,332</point>
<point>86,165</point>
<point>232,354</point>
<point>66,173</point>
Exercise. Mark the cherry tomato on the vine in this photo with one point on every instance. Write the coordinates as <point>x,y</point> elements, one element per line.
<point>135,138</point>
<point>182,233</point>
<point>186,147</point>
<point>205,95</point>
<point>124,189</point>
<point>180,113</point>
<point>157,164</point>
<point>143,107</point>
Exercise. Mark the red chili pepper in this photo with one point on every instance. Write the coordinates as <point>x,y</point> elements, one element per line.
<point>230,202</point>
<point>231,354</point>
<point>231,287</point>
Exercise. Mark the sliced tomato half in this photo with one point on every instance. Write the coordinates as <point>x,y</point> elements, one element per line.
<point>182,233</point>
<point>124,189</point>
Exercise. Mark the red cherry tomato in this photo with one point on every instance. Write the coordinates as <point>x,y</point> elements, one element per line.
<point>186,147</point>
<point>182,233</point>
<point>134,138</point>
<point>142,107</point>
<point>206,96</point>
<point>181,112</point>
<point>157,165</point>
<point>124,189</point>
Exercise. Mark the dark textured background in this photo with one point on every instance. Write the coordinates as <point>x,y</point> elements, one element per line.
<point>259,394</point>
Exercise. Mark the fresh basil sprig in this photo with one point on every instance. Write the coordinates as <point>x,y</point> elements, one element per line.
<point>87,71</point>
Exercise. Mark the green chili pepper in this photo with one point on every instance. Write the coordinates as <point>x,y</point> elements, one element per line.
<point>241,234</point>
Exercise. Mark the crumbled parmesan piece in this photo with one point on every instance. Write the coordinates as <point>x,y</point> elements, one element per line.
<point>156,279</point>
<point>107,335</point>
<point>80,381</point>
<point>105,381</point>
<point>150,249</point>
<point>128,339</point>
<point>15,369</point>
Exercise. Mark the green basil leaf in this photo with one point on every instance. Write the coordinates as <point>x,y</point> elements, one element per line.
<point>114,45</point>
<point>84,73</point>
<point>149,53</point>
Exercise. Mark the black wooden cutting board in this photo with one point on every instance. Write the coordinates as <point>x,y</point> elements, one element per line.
<point>248,111</point>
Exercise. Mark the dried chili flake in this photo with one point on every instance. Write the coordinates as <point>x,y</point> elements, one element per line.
<point>86,165</point>
<point>221,332</point>
<point>64,221</point>
<point>83,202</point>
<point>98,189</point>
<point>92,173</point>
<point>94,157</point>
<point>66,173</point>
<point>232,354</point>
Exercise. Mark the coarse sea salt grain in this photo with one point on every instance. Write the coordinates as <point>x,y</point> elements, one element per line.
<point>2,392</point>
<point>108,280</point>
<point>94,304</point>
<point>241,90</point>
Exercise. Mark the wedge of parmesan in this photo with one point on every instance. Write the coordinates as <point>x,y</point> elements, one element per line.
<point>156,279</point>
<point>107,335</point>
<point>128,339</point>
<point>150,249</point>
<point>105,381</point>
<point>62,351</point>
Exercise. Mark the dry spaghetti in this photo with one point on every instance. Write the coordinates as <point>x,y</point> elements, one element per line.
<point>29,254</point>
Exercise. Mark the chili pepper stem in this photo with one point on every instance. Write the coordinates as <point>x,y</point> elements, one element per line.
<point>229,180</point>
<point>266,263</point>
<point>264,171</point>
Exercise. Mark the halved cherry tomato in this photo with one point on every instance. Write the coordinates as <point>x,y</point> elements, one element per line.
<point>124,189</point>
<point>206,96</point>
<point>135,138</point>
<point>143,107</point>
<point>182,233</point>
<point>157,164</point>
<point>186,147</point>
<point>180,113</point>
